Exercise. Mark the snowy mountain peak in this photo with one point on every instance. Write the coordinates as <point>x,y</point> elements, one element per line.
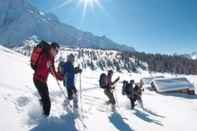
<point>19,21</point>
<point>10,10</point>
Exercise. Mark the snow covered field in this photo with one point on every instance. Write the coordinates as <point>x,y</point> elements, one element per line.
<point>20,110</point>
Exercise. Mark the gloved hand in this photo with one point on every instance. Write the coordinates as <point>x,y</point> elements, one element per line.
<point>113,87</point>
<point>80,70</point>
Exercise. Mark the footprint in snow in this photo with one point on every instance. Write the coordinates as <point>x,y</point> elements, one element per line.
<point>23,101</point>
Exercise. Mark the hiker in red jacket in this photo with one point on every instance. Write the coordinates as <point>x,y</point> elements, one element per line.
<point>42,67</point>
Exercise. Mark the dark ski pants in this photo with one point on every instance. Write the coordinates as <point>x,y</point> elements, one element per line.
<point>44,94</point>
<point>132,101</point>
<point>71,91</point>
<point>110,95</point>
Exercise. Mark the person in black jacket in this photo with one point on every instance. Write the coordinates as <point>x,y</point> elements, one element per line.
<point>138,89</point>
<point>128,90</point>
<point>133,92</point>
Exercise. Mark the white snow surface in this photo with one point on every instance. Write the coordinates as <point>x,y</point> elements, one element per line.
<point>20,109</point>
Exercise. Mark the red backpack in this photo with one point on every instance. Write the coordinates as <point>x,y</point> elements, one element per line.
<point>42,47</point>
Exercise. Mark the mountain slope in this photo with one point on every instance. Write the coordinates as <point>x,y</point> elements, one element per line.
<point>95,59</point>
<point>19,20</point>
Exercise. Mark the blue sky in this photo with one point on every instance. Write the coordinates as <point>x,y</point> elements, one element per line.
<point>156,26</point>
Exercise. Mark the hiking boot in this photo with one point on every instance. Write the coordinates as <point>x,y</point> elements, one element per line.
<point>75,101</point>
<point>108,102</point>
<point>75,105</point>
<point>113,108</point>
<point>66,104</point>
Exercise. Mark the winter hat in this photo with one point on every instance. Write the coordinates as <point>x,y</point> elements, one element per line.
<point>55,45</point>
<point>70,58</point>
<point>110,72</point>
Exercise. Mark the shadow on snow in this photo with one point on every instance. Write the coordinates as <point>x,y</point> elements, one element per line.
<point>117,120</point>
<point>65,123</point>
<point>146,117</point>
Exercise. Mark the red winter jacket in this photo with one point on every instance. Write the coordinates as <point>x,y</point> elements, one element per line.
<point>45,66</point>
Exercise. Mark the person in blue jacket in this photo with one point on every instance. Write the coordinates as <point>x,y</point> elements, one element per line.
<point>69,80</point>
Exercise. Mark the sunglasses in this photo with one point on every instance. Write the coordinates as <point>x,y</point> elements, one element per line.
<point>56,50</point>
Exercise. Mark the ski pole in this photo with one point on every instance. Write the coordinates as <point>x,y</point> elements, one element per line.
<point>116,98</point>
<point>80,86</point>
<point>61,89</point>
<point>58,83</point>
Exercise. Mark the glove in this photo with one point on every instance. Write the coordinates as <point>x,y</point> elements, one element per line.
<point>80,70</point>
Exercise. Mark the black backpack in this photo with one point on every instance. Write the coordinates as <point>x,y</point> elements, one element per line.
<point>124,86</point>
<point>61,67</point>
<point>103,81</point>
<point>127,88</point>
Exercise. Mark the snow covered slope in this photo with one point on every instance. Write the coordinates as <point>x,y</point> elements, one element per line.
<point>94,59</point>
<point>20,110</point>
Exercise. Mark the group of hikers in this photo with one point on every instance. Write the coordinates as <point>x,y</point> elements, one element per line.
<point>130,89</point>
<point>42,62</point>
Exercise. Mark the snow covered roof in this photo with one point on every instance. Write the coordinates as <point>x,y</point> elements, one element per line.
<point>172,84</point>
<point>148,80</point>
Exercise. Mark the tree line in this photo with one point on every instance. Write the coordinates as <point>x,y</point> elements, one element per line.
<point>177,64</point>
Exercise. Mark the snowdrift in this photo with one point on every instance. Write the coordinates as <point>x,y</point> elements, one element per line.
<point>172,84</point>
